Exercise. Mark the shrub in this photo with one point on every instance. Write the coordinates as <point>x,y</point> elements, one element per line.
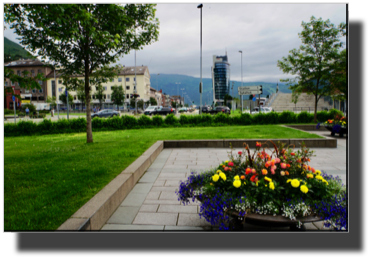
<point>26,128</point>
<point>305,117</point>
<point>184,120</point>
<point>332,113</point>
<point>144,121</point>
<point>11,129</point>
<point>97,123</point>
<point>63,126</point>
<point>31,108</point>
<point>246,119</point>
<point>205,120</point>
<point>129,121</point>
<point>222,118</point>
<point>78,125</point>
<point>8,111</point>
<point>322,116</point>
<point>46,127</point>
<point>287,117</point>
<point>271,118</point>
<point>157,120</point>
<point>171,120</point>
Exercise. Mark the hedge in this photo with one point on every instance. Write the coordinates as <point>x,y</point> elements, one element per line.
<point>23,128</point>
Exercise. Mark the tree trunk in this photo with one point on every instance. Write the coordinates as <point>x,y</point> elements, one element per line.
<point>87,94</point>
<point>315,109</point>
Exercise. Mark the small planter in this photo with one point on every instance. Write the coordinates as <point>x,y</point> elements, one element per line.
<point>342,131</point>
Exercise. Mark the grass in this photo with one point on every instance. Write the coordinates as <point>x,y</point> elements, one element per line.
<point>48,178</point>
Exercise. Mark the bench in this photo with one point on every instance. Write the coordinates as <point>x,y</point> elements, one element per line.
<point>10,117</point>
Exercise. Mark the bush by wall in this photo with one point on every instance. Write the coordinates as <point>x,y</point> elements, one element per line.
<point>130,122</point>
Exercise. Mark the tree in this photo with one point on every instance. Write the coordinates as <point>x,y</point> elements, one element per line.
<point>81,94</point>
<point>227,97</point>
<point>314,62</point>
<point>152,101</point>
<point>117,96</point>
<point>52,101</point>
<point>62,97</point>
<point>339,81</point>
<point>174,104</point>
<point>83,38</point>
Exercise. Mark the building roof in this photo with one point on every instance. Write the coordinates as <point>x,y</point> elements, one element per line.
<point>124,71</point>
<point>25,63</point>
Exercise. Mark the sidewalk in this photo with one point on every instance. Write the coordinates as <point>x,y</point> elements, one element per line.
<point>153,203</point>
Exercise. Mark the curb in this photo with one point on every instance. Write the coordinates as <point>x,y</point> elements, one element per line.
<point>307,127</point>
<point>95,213</point>
<point>238,143</point>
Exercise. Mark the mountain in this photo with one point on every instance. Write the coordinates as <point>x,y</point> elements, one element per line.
<point>167,82</point>
<point>14,51</point>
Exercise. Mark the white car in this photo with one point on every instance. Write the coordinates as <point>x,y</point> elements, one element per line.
<point>149,110</point>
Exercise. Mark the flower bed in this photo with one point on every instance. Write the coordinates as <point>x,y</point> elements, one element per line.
<point>337,125</point>
<point>276,182</point>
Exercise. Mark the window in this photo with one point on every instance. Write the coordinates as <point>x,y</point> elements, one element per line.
<point>40,90</point>
<point>127,96</point>
<point>41,98</point>
<point>93,97</point>
<point>6,83</point>
<point>34,91</point>
<point>134,87</point>
<point>59,81</point>
<point>108,96</point>
<point>40,82</point>
<point>119,79</point>
<point>26,91</point>
<point>127,79</point>
<point>60,89</point>
<point>128,87</point>
<point>19,73</point>
<point>105,88</point>
<point>39,71</point>
<point>96,88</point>
<point>112,80</point>
<point>32,72</point>
<point>12,84</point>
<point>75,97</point>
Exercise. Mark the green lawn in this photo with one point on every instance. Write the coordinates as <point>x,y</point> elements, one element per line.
<point>48,178</point>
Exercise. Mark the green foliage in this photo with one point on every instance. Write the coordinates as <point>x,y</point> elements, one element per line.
<point>315,62</point>
<point>287,117</point>
<point>31,108</point>
<point>117,95</point>
<point>157,120</point>
<point>334,112</point>
<point>113,123</point>
<point>222,118</point>
<point>171,120</point>
<point>129,121</point>
<point>246,119</point>
<point>83,38</point>
<point>62,97</point>
<point>322,116</point>
<point>304,117</point>
<point>152,101</point>
<point>144,121</point>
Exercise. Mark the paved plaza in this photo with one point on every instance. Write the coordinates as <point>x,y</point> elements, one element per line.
<point>153,204</point>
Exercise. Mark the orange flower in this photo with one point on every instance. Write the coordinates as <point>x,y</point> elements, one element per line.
<point>247,171</point>
<point>286,173</point>
<point>242,177</point>
<point>223,165</point>
<point>253,171</point>
<point>253,178</point>
<point>264,171</point>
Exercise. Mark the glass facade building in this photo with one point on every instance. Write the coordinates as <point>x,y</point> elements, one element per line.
<point>220,77</point>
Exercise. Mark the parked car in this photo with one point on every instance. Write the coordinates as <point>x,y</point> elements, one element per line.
<point>163,111</point>
<point>105,113</point>
<point>206,109</point>
<point>150,110</point>
<point>218,109</point>
<point>263,109</point>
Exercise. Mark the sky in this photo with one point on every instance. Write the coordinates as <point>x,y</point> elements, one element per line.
<point>263,32</point>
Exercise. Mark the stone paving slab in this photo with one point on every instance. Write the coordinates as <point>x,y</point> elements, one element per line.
<point>124,215</point>
<point>145,218</point>
<point>132,227</point>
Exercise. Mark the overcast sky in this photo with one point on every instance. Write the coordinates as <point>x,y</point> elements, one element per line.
<point>264,32</point>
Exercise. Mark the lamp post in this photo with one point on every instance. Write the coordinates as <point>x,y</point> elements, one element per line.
<point>157,80</point>
<point>177,91</point>
<point>241,96</point>
<point>182,89</point>
<point>200,6</point>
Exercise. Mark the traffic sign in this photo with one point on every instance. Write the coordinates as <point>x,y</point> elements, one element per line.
<point>254,99</point>
<point>13,98</point>
<point>250,90</point>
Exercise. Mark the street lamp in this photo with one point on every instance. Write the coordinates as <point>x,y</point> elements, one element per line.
<point>200,6</point>
<point>241,96</point>
<point>182,89</point>
<point>177,90</point>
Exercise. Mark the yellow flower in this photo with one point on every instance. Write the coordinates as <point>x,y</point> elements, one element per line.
<point>271,185</point>
<point>266,185</point>
<point>304,189</point>
<point>223,176</point>
<point>211,184</point>
<point>319,177</point>
<point>295,183</point>
<point>237,183</point>
<point>226,161</point>
<point>237,177</point>
<point>267,179</point>
<point>327,183</point>
<point>215,178</point>
<point>318,172</point>
<point>218,171</point>
<point>309,175</point>
<point>289,180</point>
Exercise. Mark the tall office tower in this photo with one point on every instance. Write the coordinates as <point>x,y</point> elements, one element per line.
<point>220,78</point>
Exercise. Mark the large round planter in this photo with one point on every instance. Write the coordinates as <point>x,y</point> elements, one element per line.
<point>237,222</point>
<point>342,131</point>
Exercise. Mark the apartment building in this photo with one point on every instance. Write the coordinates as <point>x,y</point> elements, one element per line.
<point>125,78</point>
<point>157,95</point>
<point>33,66</point>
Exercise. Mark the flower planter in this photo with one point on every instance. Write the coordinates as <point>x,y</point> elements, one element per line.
<point>237,222</point>
<point>342,131</point>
